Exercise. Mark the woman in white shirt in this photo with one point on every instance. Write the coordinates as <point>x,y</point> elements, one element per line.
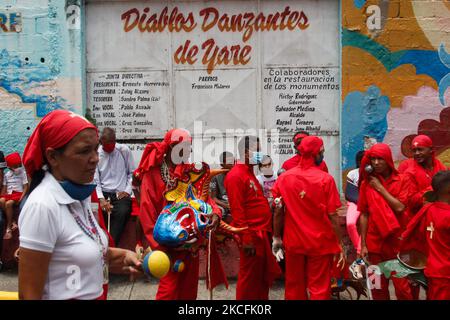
<point>64,253</point>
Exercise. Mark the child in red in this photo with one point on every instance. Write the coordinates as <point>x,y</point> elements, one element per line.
<point>15,186</point>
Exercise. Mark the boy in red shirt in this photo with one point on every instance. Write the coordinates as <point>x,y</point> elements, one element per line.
<point>429,232</point>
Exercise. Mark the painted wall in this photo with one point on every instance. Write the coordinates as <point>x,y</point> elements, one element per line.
<point>395,75</point>
<point>40,65</point>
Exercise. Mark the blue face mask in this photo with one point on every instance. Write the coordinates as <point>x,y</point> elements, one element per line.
<point>257,157</point>
<point>319,160</point>
<point>78,191</point>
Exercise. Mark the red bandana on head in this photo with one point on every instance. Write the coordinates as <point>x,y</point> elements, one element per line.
<point>55,130</point>
<point>13,159</point>
<point>154,152</point>
<point>309,148</point>
<point>422,141</point>
<point>297,137</point>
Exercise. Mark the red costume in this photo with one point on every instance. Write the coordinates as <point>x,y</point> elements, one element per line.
<point>429,232</point>
<point>310,196</point>
<point>384,226</point>
<point>419,176</point>
<point>249,208</point>
<point>174,286</point>
<point>295,160</point>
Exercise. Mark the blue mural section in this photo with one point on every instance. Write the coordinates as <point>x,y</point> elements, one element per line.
<point>17,77</point>
<point>427,62</point>
<point>40,66</point>
<point>365,113</point>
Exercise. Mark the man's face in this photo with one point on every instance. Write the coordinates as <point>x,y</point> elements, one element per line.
<point>107,139</point>
<point>320,155</point>
<point>253,147</point>
<point>379,165</point>
<point>422,154</point>
<point>80,157</point>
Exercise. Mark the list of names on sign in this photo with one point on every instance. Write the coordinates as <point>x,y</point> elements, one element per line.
<point>300,99</point>
<point>133,103</point>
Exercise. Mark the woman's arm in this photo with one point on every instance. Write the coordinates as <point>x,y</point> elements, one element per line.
<point>33,269</point>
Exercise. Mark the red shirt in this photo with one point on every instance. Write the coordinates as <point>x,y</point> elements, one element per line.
<point>420,181</point>
<point>249,207</point>
<point>404,165</point>
<point>397,185</point>
<point>295,160</point>
<point>438,263</point>
<point>310,196</point>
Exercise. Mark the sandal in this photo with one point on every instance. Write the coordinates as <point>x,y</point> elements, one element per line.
<point>8,234</point>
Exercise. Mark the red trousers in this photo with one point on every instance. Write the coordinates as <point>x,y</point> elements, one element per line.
<point>308,272</point>
<point>180,285</point>
<point>257,273</point>
<point>403,289</point>
<point>438,289</point>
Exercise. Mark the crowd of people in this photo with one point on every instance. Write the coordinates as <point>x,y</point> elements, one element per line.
<point>290,216</point>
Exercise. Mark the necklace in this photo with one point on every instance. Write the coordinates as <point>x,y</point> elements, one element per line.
<point>92,232</point>
<point>169,181</point>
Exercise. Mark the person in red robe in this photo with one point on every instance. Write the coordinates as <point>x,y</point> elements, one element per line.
<point>294,161</point>
<point>420,170</point>
<point>250,209</point>
<point>160,164</point>
<point>429,233</point>
<point>383,195</point>
<point>307,201</point>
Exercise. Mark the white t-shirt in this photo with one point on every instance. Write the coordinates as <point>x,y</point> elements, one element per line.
<point>267,184</point>
<point>46,224</point>
<point>15,182</point>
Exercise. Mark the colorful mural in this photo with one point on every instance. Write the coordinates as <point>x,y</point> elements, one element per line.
<point>395,77</point>
<point>40,65</point>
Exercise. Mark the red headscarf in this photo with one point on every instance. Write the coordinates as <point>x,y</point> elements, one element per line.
<point>378,150</point>
<point>382,216</point>
<point>309,148</point>
<point>154,152</point>
<point>299,136</point>
<point>55,130</point>
<point>13,159</point>
<point>422,141</point>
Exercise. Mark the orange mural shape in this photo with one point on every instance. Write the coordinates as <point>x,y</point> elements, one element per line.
<point>361,70</point>
<point>400,28</point>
